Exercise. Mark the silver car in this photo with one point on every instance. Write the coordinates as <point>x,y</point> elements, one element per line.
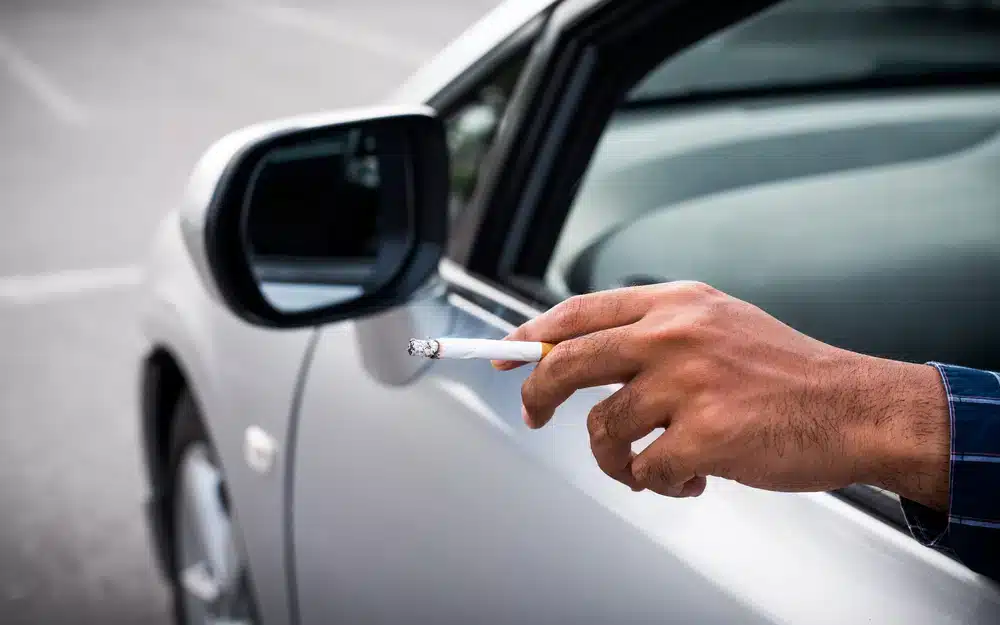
<point>833,162</point>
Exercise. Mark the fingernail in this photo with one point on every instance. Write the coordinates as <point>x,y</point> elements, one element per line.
<point>500,365</point>
<point>524,416</point>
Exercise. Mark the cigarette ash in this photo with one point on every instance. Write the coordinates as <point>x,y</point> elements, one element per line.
<point>428,349</point>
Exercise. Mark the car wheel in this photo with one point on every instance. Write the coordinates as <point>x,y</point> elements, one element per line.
<point>209,574</point>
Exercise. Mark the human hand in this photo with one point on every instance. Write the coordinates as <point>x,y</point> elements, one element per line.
<point>740,395</point>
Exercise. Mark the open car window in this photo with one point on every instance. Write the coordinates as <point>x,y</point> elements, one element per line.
<point>805,43</point>
<point>868,219</point>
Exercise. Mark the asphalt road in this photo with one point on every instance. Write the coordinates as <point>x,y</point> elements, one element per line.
<point>104,107</point>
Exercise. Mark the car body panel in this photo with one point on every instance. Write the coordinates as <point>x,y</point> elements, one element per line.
<point>412,505</point>
<point>240,375</point>
<point>425,498</point>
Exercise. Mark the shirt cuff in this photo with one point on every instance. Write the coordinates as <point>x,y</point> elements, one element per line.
<point>974,474</point>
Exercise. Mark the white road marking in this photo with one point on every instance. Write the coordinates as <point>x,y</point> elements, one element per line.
<point>35,80</point>
<point>340,30</point>
<point>47,286</point>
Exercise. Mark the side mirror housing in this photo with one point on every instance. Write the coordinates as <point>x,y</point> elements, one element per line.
<point>314,220</point>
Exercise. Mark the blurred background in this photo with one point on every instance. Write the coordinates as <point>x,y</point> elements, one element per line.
<point>104,107</point>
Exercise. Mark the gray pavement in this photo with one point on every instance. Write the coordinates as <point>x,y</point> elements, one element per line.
<point>104,106</point>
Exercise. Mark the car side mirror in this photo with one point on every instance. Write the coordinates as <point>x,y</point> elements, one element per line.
<point>313,221</point>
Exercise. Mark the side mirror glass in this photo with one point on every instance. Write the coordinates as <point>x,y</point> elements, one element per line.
<point>322,223</point>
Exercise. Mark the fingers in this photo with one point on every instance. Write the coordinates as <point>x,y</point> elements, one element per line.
<point>623,418</point>
<point>669,466</point>
<point>583,314</point>
<point>592,360</point>
<point>593,312</point>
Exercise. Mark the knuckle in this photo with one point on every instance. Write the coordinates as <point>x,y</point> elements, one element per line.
<point>633,347</point>
<point>713,430</point>
<point>600,347</point>
<point>710,314</point>
<point>597,427</point>
<point>614,418</point>
<point>570,351</point>
<point>701,316</point>
<point>556,360</point>
<point>627,343</point>
<point>626,413</point>
<point>615,304</point>
<point>529,392</point>
<point>698,300</point>
<point>646,470</point>
<point>695,373</point>
<point>521,332</point>
<point>694,288</point>
<point>561,363</point>
<point>696,324</point>
<point>569,314</point>
<point>667,332</point>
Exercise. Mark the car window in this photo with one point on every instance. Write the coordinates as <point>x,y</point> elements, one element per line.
<point>802,43</point>
<point>472,126</point>
<point>867,219</point>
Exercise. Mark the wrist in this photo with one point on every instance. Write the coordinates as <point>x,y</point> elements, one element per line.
<point>906,431</point>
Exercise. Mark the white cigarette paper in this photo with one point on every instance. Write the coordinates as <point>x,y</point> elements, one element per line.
<point>479,349</point>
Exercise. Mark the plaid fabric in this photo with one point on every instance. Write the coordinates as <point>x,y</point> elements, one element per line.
<point>970,530</point>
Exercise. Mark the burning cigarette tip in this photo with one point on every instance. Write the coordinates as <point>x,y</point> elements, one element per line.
<point>427,348</point>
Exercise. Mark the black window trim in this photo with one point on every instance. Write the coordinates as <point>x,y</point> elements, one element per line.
<point>455,93</point>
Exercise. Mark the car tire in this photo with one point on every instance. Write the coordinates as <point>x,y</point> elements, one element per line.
<point>208,573</point>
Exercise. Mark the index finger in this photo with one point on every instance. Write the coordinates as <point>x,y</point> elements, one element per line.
<point>583,314</point>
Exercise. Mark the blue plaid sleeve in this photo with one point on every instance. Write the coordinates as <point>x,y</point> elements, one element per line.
<point>970,530</point>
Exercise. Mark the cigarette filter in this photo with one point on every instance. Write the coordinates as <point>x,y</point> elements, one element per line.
<point>479,349</point>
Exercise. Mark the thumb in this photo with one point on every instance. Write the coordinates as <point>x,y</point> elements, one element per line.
<point>669,467</point>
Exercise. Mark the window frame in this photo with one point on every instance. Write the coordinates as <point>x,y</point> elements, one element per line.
<point>589,52</point>
<point>453,95</point>
<point>524,183</point>
<point>461,90</point>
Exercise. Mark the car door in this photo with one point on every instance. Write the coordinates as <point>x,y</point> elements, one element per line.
<point>419,496</point>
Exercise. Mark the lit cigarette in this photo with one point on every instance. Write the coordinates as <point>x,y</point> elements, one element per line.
<point>480,349</point>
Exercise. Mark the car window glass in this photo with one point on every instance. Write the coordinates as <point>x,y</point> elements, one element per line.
<point>867,220</point>
<point>472,126</point>
<point>815,42</point>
